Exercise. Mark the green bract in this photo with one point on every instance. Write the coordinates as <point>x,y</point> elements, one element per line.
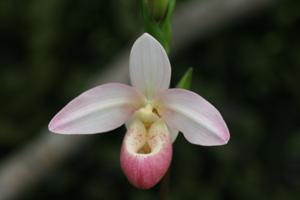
<point>186,80</point>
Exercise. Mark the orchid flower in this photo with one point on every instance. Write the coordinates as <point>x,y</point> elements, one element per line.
<point>153,113</point>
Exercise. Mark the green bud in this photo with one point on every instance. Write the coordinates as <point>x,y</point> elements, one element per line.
<point>157,16</point>
<point>158,8</point>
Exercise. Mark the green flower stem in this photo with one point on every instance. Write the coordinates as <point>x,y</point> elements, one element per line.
<point>158,19</point>
<point>157,22</point>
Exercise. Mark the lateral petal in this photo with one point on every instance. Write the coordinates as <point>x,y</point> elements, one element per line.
<point>97,110</point>
<point>198,120</point>
<point>174,133</point>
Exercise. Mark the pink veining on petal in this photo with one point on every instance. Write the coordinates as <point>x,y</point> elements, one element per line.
<point>145,170</point>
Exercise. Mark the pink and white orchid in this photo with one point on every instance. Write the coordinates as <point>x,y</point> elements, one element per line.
<point>153,115</point>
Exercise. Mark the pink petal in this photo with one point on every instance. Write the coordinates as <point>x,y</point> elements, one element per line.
<point>146,157</point>
<point>198,120</point>
<point>150,69</point>
<point>99,109</point>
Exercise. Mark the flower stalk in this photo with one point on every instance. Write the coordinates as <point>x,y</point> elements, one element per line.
<point>157,16</point>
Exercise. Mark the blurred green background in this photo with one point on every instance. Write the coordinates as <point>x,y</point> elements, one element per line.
<point>250,71</point>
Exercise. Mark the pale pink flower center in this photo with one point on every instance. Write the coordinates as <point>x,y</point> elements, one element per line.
<point>147,148</point>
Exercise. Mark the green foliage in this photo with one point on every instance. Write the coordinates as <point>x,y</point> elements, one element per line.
<point>160,27</point>
<point>186,80</point>
<point>157,8</point>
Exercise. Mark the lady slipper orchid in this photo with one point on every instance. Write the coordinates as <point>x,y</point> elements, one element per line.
<point>153,115</point>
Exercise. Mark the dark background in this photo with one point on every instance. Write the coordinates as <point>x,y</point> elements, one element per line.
<point>250,71</point>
